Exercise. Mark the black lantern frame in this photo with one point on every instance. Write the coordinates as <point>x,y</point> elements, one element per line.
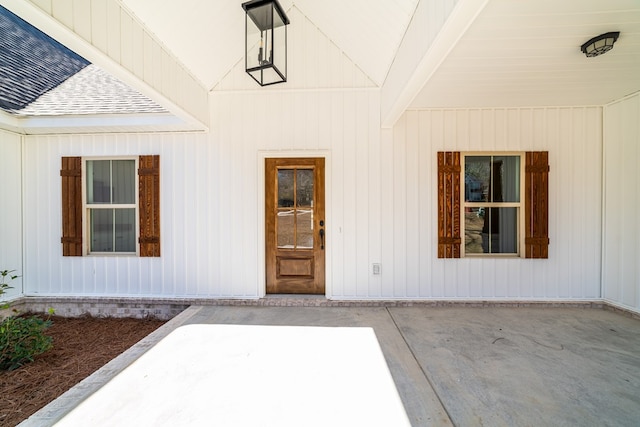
<point>265,47</point>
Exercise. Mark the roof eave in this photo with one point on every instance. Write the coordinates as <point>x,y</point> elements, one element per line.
<point>96,123</point>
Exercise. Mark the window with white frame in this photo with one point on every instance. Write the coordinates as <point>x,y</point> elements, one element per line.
<point>492,207</point>
<point>110,205</point>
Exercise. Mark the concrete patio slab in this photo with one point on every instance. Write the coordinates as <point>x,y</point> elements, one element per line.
<point>462,365</point>
<point>525,367</point>
<point>420,401</point>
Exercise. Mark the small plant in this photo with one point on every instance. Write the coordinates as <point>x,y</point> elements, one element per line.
<point>21,338</point>
<point>4,284</point>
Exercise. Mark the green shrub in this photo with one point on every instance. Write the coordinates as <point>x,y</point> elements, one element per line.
<point>22,339</point>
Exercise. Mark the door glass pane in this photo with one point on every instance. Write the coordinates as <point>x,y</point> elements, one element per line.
<point>295,208</point>
<point>285,225</point>
<point>304,187</point>
<point>491,230</point>
<point>285,188</point>
<point>304,227</point>
<point>125,230</point>
<point>101,223</point>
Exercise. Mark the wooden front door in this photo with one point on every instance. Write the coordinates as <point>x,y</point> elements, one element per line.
<point>295,226</point>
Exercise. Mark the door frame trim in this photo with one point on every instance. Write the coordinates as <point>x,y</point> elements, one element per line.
<point>262,256</point>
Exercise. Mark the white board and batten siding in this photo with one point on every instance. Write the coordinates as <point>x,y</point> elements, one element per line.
<point>409,238</point>
<point>621,232</point>
<point>380,192</point>
<point>381,201</point>
<point>11,209</point>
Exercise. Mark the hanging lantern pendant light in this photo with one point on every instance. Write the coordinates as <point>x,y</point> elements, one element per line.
<point>265,41</point>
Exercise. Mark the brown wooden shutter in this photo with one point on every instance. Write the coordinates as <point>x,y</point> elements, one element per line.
<point>71,174</point>
<point>537,204</point>
<point>149,198</point>
<point>449,239</point>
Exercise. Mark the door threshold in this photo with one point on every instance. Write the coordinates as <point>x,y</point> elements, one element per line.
<point>295,300</point>
<point>295,296</point>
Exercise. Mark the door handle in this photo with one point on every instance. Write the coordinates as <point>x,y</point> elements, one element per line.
<point>322,238</point>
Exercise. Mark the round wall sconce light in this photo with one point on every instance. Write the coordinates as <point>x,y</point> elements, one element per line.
<point>600,44</point>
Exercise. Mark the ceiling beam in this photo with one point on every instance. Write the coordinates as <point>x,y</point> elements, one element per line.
<point>399,90</point>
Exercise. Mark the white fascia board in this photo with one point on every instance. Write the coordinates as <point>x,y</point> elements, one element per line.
<point>59,32</point>
<point>34,124</point>
<point>463,15</point>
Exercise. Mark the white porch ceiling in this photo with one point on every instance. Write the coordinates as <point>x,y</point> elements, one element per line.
<point>208,36</point>
<point>515,53</point>
<point>527,53</point>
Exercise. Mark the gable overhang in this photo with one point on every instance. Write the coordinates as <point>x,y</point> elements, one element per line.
<point>178,118</point>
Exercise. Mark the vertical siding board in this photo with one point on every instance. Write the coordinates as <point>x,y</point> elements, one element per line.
<point>82,18</point>
<point>425,208</point>
<point>374,188</point>
<point>593,194</point>
<point>399,202</point>
<point>362,196</point>
<point>126,40</point>
<point>113,30</point>
<point>437,138</point>
<point>349,201</point>
<point>62,10</point>
<point>387,209</point>
<point>148,58</point>
<point>337,239</point>
<point>579,124</point>
<point>629,207</point>
<point>137,49</point>
<point>99,31</point>
<point>11,216</point>
<point>169,73</point>
<point>412,232</point>
<point>611,259</point>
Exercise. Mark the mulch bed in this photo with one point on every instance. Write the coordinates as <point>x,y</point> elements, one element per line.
<point>80,347</point>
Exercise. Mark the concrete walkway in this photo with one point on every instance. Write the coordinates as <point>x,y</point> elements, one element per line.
<point>464,366</point>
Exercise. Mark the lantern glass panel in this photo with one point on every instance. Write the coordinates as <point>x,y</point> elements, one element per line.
<point>280,45</point>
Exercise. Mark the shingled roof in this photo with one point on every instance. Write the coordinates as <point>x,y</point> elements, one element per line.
<point>41,77</point>
<point>91,91</point>
<point>31,63</point>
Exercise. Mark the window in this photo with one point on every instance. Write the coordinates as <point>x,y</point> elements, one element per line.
<point>491,204</point>
<point>107,203</point>
<point>498,207</point>
<point>110,206</point>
